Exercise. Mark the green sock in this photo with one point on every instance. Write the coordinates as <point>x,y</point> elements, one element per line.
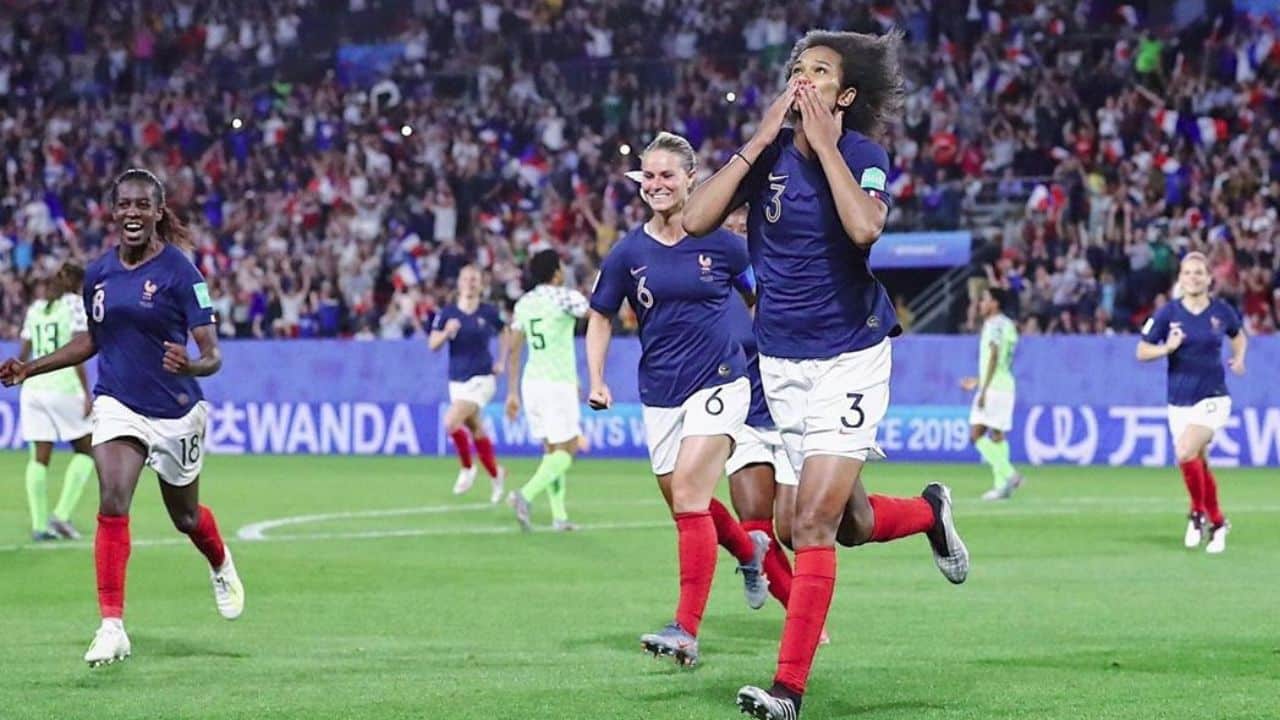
<point>73,482</point>
<point>37,494</point>
<point>556,497</point>
<point>553,465</point>
<point>997,456</point>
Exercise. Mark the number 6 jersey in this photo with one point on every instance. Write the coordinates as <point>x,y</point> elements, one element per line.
<point>680,294</point>
<point>131,315</point>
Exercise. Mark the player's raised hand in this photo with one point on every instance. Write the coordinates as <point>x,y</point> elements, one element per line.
<point>175,358</point>
<point>12,372</point>
<point>600,398</point>
<point>513,406</point>
<point>1176,336</point>
<point>775,115</point>
<point>1236,364</point>
<point>822,127</point>
<point>969,384</point>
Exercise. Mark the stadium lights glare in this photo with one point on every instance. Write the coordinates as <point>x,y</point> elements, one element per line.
<point>405,130</point>
<point>236,123</point>
<point>624,149</point>
<point>731,96</point>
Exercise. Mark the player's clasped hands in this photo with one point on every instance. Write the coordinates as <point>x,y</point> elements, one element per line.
<point>821,126</point>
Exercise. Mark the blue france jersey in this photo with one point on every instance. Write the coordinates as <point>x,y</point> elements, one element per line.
<point>1195,368</point>
<point>741,322</point>
<point>681,295</point>
<point>817,295</point>
<point>469,353</point>
<point>131,315</point>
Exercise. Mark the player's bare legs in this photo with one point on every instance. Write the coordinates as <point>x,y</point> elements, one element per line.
<point>689,494</point>
<point>119,462</point>
<point>1205,519</point>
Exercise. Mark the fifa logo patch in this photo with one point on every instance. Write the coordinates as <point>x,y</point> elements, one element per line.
<point>149,290</point>
<point>704,267</point>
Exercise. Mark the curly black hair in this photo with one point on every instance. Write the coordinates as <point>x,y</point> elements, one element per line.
<point>869,64</point>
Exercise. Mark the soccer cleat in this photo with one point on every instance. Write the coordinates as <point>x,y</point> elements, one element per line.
<point>1218,538</point>
<point>228,591</point>
<point>994,494</point>
<point>674,641</point>
<point>521,506</point>
<point>43,536</point>
<point>949,551</point>
<point>63,528</point>
<point>1195,531</point>
<point>497,485</point>
<point>754,582</point>
<point>763,705</point>
<point>563,526</point>
<point>109,644</point>
<point>466,476</point>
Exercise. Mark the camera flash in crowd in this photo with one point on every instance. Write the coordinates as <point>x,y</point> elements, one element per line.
<point>405,130</point>
<point>236,123</point>
<point>624,149</point>
<point>731,96</point>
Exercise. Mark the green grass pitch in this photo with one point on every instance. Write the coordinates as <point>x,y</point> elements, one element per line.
<point>401,601</point>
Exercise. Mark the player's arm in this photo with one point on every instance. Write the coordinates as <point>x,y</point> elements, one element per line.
<point>861,215</point>
<point>989,371</point>
<point>442,331</point>
<point>513,371</point>
<point>207,363</point>
<point>1239,343</point>
<point>504,346</point>
<point>25,351</point>
<point>599,333</point>
<point>1160,337</point>
<point>81,348</point>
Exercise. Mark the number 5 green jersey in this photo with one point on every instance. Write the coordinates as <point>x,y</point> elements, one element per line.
<point>49,325</point>
<point>547,315</point>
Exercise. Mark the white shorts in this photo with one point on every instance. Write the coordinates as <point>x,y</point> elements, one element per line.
<point>756,446</point>
<point>47,416</point>
<point>998,412</point>
<point>719,410</point>
<point>1212,413</point>
<point>552,410</point>
<point>175,446</point>
<point>832,406</point>
<point>477,390</point>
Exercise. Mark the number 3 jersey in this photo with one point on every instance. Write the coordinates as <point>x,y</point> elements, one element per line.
<point>680,294</point>
<point>48,326</point>
<point>132,313</point>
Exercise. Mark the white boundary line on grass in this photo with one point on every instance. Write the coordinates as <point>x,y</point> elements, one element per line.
<point>257,532</point>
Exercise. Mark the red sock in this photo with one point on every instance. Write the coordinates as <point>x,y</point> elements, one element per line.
<point>730,534</point>
<point>484,448</point>
<point>1211,494</point>
<point>899,517</point>
<point>697,544</point>
<point>207,540</point>
<point>111,558</point>
<point>776,566</point>
<point>811,591</point>
<point>1194,476</point>
<point>462,443</point>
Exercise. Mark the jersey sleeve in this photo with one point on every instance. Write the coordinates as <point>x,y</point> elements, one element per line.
<point>572,302</point>
<point>193,298</point>
<point>26,326</point>
<point>743,277</point>
<point>442,316</point>
<point>611,283</point>
<point>79,321</point>
<point>869,164</point>
<point>494,317</point>
<point>1233,320</point>
<point>1156,329</point>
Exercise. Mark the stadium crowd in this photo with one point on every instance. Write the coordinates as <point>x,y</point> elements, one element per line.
<point>338,194</point>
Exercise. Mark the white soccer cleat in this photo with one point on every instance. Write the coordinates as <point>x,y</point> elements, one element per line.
<point>496,486</point>
<point>949,551</point>
<point>1218,538</point>
<point>228,591</point>
<point>109,645</point>
<point>1195,531</point>
<point>466,476</point>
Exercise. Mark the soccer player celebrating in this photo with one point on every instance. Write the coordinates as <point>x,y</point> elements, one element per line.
<point>1189,331</point>
<point>144,297</point>
<point>692,376</point>
<point>545,317</point>
<point>56,406</point>
<point>817,202</point>
<point>991,416</point>
<point>468,325</point>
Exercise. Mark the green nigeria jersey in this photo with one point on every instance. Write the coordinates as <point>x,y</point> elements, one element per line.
<point>49,325</point>
<point>1001,332</point>
<point>547,315</point>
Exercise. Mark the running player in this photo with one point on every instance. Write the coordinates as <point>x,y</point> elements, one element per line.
<point>991,417</point>
<point>1189,332</point>
<point>817,200</point>
<point>692,377</point>
<point>468,325</point>
<point>56,407</point>
<point>546,316</point>
<point>144,297</point>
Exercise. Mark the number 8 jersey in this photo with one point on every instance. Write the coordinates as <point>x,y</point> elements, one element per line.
<point>680,294</point>
<point>132,312</point>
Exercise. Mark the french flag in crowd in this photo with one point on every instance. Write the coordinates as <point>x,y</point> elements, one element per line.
<point>407,275</point>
